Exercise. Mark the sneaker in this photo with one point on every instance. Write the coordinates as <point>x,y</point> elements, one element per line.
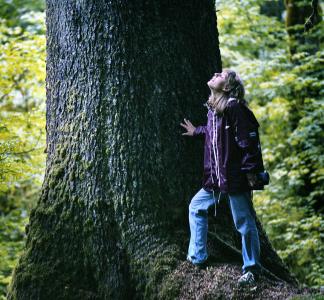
<point>202,266</point>
<point>248,278</point>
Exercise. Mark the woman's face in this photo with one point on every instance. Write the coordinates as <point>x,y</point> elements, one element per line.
<point>217,82</point>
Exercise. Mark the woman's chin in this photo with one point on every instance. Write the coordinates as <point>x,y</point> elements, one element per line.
<point>210,84</point>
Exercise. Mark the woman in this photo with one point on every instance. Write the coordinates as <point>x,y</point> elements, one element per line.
<point>232,160</point>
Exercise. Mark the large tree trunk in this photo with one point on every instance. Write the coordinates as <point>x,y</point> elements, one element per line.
<point>111,221</point>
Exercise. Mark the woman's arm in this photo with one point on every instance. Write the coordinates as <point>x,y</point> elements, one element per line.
<point>192,130</point>
<point>200,130</point>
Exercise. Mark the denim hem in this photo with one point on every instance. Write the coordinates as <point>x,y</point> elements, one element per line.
<point>254,269</point>
<point>196,263</point>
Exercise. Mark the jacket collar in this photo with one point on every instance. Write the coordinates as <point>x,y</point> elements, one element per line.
<point>209,107</point>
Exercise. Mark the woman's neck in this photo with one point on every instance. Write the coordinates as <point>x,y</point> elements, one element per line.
<point>216,95</point>
<point>217,102</point>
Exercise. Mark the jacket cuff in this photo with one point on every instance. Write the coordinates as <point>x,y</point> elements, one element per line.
<point>199,130</point>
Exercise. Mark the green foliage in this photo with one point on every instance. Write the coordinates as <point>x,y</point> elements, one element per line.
<point>12,235</point>
<point>286,94</point>
<point>22,133</point>
<point>22,94</point>
<point>23,14</point>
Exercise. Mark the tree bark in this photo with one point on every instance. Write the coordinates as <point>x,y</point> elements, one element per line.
<point>111,220</point>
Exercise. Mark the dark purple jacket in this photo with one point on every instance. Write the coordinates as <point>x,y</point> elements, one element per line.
<point>232,148</point>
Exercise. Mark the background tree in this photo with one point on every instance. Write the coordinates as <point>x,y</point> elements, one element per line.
<point>272,8</point>
<point>302,15</point>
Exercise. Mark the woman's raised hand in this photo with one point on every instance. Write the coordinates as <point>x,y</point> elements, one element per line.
<point>189,127</point>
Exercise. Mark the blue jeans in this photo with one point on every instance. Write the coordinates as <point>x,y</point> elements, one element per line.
<point>244,222</point>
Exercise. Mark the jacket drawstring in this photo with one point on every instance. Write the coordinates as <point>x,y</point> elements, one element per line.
<point>216,164</point>
<point>211,173</point>
<point>219,195</point>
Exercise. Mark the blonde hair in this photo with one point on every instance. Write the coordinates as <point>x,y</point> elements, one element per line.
<point>233,88</point>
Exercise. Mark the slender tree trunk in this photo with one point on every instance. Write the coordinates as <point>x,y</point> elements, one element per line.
<point>273,8</point>
<point>111,221</point>
<point>297,12</point>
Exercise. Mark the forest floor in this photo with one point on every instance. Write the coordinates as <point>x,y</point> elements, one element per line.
<point>219,281</point>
